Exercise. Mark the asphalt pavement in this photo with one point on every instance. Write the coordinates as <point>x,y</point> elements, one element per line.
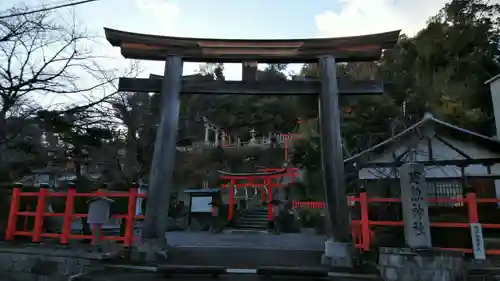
<point>120,275</point>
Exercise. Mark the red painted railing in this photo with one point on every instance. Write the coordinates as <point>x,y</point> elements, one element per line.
<point>363,235</point>
<point>68,215</point>
<point>308,204</point>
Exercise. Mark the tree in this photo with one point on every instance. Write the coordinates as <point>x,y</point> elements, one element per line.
<point>443,68</point>
<point>214,70</point>
<point>40,56</point>
<point>139,113</point>
<point>78,131</point>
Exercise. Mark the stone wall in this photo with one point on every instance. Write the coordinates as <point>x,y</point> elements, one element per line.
<point>401,264</point>
<point>38,263</point>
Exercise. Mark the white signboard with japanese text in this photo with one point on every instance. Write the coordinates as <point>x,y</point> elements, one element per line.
<point>476,233</point>
<point>415,206</point>
<point>201,204</point>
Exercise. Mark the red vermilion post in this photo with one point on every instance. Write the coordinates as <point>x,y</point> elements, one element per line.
<point>130,220</point>
<point>14,208</point>
<point>40,209</point>
<point>365,221</point>
<point>68,215</point>
<point>269,199</point>
<point>472,207</point>
<point>286,144</point>
<point>231,200</point>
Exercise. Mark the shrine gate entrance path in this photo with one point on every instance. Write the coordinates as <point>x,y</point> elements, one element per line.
<point>292,241</point>
<point>246,250</point>
<point>326,52</point>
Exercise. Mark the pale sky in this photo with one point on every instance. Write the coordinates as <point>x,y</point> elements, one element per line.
<point>245,19</point>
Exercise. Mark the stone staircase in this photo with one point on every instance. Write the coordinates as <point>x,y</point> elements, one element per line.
<point>253,219</point>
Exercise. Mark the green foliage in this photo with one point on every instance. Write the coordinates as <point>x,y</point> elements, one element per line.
<point>440,70</point>
<point>309,218</point>
<point>443,68</point>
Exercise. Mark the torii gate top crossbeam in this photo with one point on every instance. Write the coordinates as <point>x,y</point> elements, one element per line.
<point>345,49</point>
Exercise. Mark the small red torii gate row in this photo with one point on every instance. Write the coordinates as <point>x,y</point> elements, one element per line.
<point>268,182</point>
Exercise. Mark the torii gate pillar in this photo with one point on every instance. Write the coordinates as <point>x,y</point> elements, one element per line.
<point>338,245</point>
<point>162,167</point>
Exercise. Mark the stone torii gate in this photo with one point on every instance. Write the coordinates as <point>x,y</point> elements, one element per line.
<point>327,52</point>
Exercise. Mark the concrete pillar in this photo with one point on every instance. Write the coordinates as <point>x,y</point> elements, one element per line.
<point>139,201</point>
<point>206,133</point>
<point>216,141</point>
<point>338,245</point>
<point>160,178</point>
<point>249,71</point>
<point>224,138</point>
<point>495,98</point>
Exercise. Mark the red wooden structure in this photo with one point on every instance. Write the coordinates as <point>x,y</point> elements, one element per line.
<point>68,215</point>
<point>361,229</point>
<point>265,180</point>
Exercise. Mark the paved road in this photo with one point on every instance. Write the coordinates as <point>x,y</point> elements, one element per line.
<point>113,275</point>
<point>287,241</point>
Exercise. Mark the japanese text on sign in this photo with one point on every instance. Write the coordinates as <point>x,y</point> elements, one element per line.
<point>477,241</point>
<point>414,205</point>
<point>416,198</point>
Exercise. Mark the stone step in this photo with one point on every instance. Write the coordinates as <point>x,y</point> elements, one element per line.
<point>252,222</point>
<point>250,226</point>
<point>245,219</point>
<point>243,257</point>
<point>259,211</point>
<point>255,215</point>
<point>245,231</point>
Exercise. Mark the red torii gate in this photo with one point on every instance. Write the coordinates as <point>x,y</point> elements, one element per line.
<point>268,178</point>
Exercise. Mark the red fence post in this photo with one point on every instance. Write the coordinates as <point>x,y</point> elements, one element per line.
<point>231,200</point>
<point>269,200</point>
<point>68,215</point>
<point>14,208</point>
<point>285,145</point>
<point>472,207</point>
<point>365,221</point>
<point>130,220</point>
<point>40,209</point>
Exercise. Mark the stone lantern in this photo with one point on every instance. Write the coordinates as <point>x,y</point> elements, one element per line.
<point>98,214</point>
<point>253,135</point>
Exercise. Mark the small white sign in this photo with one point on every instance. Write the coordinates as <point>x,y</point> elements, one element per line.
<point>476,233</point>
<point>201,204</point>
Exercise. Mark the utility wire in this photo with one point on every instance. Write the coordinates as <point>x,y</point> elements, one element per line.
<point>47,9</point>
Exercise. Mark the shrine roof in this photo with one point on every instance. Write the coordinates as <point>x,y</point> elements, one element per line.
<point>153,47</point>
<point>202,190</point>
<point>253,174</point>
<point>439,128</point>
